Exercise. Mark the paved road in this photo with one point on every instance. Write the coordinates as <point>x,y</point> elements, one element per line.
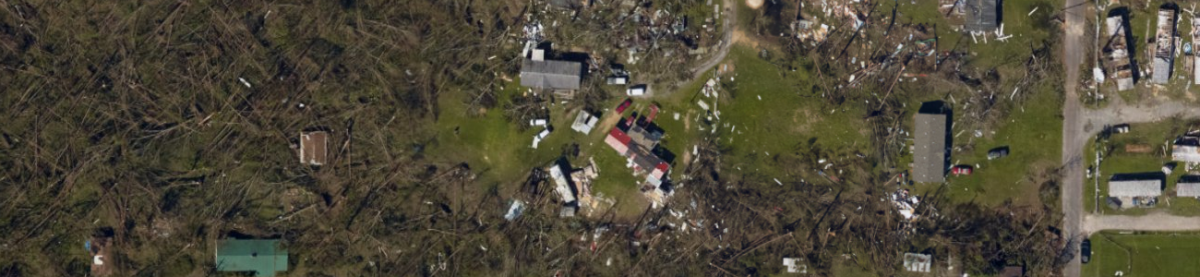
<point>1151,222</point>
<point>1072,190</point>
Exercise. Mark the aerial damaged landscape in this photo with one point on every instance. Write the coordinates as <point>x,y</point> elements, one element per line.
<point>600,138</point>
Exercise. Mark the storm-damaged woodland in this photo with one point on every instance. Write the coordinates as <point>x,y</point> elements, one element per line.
<point>372,137</point>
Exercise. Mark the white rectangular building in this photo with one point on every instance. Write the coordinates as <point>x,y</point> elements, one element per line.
<point>1135,188</point>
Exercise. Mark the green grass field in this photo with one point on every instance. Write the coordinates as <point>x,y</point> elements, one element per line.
<point>1032,135</point>
<point>1156,254</point>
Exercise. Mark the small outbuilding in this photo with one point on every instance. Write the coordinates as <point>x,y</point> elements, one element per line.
<point>313,145</point>
<point>914,262</point>
<point>982,15</point>
<point>584,122</point>
<point>262,256</point>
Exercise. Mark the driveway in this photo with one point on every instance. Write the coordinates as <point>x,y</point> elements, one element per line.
<point>1151,222</point>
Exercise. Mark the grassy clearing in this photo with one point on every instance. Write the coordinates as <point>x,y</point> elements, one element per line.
<point>1032,135</point>
<point>1152,254</point>
<point>757,131</point>
<point>1156,135</point>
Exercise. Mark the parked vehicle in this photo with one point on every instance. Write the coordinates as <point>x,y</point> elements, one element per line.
<point>962,170</point>
<point>1085,251</point>
<point>624,105</point>
<point>997,153</point>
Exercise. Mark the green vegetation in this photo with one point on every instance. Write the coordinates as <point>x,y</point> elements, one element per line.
<point>1144,254</point>
<point>1032,134</point>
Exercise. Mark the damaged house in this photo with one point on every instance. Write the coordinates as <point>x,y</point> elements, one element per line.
<point>636,140</point>
<point>538,72</point>
<point>1186,149</point>
<point>1118,62</point>
<point>1164,46</point>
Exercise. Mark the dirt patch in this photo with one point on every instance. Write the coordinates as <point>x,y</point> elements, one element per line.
<point>803,120</point>
<point>740,36</point>
<point>754,4</point>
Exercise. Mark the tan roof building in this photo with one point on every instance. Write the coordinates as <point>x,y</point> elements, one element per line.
<point>313,147</point>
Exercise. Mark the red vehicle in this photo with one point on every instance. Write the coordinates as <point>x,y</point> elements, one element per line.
<point>961,170</point>
<point>621,108</point>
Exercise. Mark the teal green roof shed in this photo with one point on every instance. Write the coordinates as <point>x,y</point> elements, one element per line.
<point>262,256</point>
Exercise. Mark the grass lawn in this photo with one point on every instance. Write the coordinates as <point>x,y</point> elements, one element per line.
<point>1153,135</point>
<point>1033,136</point>
<point>1155,254</point>
<point>770,113</point>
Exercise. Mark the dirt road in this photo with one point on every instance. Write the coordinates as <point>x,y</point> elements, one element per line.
<point>729,25</point>
<point>1150,222</point>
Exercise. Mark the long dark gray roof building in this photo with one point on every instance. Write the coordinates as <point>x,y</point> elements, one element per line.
<point>929,155</point>
<point>549,74</point>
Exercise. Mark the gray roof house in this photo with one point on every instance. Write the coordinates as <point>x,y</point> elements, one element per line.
<point>929,153</point>
<point>1135,188</point>
<point>982,15</point>
<point>549,74</point>
<point>1187,189</point>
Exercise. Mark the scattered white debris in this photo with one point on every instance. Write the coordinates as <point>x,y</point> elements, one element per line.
<point>244,82</point>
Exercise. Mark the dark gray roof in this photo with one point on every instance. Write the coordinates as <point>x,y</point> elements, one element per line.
<point>551,74</point>
<point>982,15</point>
<point>929,156</point>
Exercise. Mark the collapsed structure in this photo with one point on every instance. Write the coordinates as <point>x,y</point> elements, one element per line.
<point>1164,46</point>
<point>1118,61</point>
<point>1186,149</point>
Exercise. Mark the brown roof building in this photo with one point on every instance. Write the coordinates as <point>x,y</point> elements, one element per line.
<point>313,147</point>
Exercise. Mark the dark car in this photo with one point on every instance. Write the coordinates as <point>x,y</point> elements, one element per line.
<point>1085,251</point>
<point>997,153</point>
